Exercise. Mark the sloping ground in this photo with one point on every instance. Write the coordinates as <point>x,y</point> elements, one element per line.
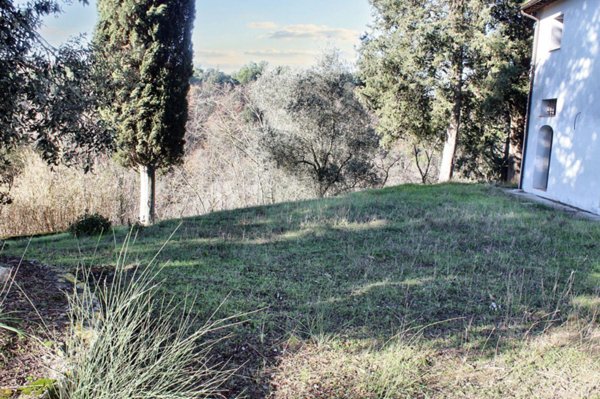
<point>413,291</point>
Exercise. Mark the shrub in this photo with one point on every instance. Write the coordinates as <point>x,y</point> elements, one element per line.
<point>127,340</point>
<point>89,225</point>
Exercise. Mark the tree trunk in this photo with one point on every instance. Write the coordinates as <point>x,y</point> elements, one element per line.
<point>507,162</point>
<point>147,195</point>
<point>515,148</point>
<point>456,79</point>
<point>447,165</point>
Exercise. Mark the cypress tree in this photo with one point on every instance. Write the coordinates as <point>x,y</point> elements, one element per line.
<point>144,56</point>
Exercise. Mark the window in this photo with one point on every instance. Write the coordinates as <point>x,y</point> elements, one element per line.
<point>549,107</point>
<point>556,32</point>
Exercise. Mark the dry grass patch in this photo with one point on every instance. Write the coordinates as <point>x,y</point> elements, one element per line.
<point>563,363</point>
<point>398,370</point>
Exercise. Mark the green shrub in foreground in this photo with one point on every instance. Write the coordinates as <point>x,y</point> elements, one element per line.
<point>127,340</point>
<point>89,225</point>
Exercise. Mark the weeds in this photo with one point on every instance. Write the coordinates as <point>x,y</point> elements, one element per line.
<point>6,321</point>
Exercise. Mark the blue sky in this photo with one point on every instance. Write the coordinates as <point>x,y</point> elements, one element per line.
<point>231,33</point>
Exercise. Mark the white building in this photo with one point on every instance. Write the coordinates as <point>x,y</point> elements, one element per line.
<point>561,158</point>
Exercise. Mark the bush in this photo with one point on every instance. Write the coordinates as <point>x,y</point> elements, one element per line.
<point>89,225</point>
<point>128,340</point>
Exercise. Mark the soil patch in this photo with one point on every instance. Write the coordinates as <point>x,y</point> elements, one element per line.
<point>36,305</point>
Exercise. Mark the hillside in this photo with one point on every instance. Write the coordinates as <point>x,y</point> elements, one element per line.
<point>410,291</point>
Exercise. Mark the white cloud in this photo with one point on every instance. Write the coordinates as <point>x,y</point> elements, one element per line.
<point>225,60</point>
<point>230,61</point>
<point>272,53</point>
<point>265,25</point>
<point>311,31</point>
<point>211,53</point>
<point>305,31</point>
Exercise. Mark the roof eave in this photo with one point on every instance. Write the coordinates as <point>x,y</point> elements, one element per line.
<point>531,7</point>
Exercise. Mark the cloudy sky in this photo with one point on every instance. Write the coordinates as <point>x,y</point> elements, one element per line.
<point>231,33</point>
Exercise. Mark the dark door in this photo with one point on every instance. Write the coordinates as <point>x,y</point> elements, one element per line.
<point>542,158</point>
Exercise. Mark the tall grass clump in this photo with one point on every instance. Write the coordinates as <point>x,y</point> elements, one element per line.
<point>6,283</point>
<point>128,340</point>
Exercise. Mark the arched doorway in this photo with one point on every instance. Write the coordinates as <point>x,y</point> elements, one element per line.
<point>542,158</point>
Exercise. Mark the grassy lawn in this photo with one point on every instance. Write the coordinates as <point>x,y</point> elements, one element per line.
<point>411,291</point>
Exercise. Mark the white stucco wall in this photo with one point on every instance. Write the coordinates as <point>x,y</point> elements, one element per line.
<point>570,74</point>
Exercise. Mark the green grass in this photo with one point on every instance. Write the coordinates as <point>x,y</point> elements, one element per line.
<point>459,274</point>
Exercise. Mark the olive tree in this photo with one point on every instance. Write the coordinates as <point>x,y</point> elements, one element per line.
<point>48,97</point>
<point>315,127</point>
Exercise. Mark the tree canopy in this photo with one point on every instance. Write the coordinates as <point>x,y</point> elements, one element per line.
<point>316,127</point>
<point>432,68</point>
<point>250,72</point>
<point>47,96</point>
<point>144,53</point>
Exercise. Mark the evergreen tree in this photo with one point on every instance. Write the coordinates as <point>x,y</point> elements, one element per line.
<point>144,54</point>
<point>503,85</point>
<point>429,67</point>
<point>250,72</point>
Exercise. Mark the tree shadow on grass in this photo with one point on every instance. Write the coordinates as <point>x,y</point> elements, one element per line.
<point>462,275</point>
<point>460,268</point>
